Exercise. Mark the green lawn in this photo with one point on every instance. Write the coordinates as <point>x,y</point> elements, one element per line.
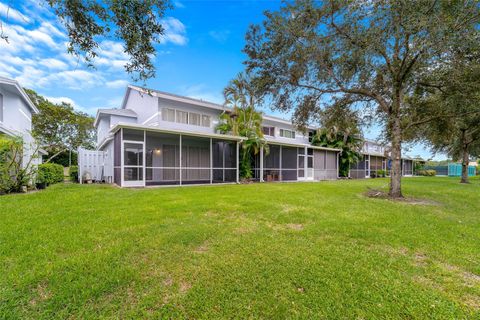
<point>292,250</point>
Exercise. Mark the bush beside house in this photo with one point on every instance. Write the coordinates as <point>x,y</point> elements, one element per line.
<point>49,173</point>
<point>427,173</point>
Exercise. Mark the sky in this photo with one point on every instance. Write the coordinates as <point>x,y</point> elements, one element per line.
<point>198,55</point>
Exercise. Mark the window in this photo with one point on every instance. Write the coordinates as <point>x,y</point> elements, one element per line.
<point>1,107</point>
<point>194,118</point>
<point>205,121</point>
<point>287,133</point>
<point>181,117</point>
<point>269,131</point>
<point>168,114</point>
<point>191,118</point>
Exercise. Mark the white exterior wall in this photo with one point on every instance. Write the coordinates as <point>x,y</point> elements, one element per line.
<point>300,138</point>
<point>17,118</point>
<point>145,105</point>
<point>370,147</point>
<point>107,122</point>
<point>17,115</point>
<point>103,127</point>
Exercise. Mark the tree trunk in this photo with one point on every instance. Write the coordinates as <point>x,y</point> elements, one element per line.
<point>396,155</point>
<point>395,131</point>
<point>465,161</point>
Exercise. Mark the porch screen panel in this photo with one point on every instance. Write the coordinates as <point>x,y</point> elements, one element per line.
<point>319,158</point>
<point>357,170</point>
<point>195,160</point>
<point>162,158</point>
<point>133,135</point>
<point>224,161</point>
<point>408,167</point>
<point>289,163</point>
<point>271,164</point>
<point>117,158</point>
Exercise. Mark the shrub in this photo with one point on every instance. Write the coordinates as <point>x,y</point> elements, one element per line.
<point>381,173</point>
<point>49,173</point>
<point>73,172</point>
<point>428,173</point>
<point>373,174</point>
<point>14,173</point>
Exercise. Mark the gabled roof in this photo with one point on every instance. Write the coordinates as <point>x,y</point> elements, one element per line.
<point>117,112</point>
<point>20,90</point>
<point>175,97</point>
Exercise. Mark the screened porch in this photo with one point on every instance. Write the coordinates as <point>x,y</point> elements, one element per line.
<point>150,158</point>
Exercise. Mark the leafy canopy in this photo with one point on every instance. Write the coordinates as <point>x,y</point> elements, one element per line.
<point>138,24</point>
<point>370,54</point>
<point>58,127</point>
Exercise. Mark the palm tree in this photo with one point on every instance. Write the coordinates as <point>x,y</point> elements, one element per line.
<point>349,141</point>
<point>243,120</point>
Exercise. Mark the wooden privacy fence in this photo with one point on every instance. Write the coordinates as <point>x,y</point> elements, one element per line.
<point>94,165</point>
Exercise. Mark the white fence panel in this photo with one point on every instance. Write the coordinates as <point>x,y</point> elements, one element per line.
<point>95,164</point>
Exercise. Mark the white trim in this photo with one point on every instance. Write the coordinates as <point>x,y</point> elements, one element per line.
<point>119,125</point>
<point>238,163</point>
<point>156,114</point>
<point>261,164</point>
<point>211,161</point>
<point>180,156</point>
<point>25,115</point>
<point>23,94</point>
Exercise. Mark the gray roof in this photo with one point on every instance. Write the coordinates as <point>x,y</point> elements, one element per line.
<point>116,112</point>
<point>20,90</point>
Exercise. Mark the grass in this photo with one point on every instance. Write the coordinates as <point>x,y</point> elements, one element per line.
<point>296,250</point>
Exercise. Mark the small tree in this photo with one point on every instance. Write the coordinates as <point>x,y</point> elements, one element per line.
<point>452,100</point>
<point>243,120</point>
<point>59,127</point>
<point>16,170</point>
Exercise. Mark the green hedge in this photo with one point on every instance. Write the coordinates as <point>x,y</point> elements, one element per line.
<point>49,173</point>
<point>428,173</point>
<point>73,172</point>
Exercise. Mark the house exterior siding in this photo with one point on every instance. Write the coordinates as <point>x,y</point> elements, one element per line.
<point>158,138</point>
<point>16,117</point>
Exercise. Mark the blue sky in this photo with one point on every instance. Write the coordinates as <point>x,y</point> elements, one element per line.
<point>199,54</point>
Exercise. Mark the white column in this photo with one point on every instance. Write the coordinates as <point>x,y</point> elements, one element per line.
<point>261,164</point>
<point>211,161</point>
<point>280,178</point>
<point>144,157</point>
<point>305,167</point>
<point>121,158</point>
<point>338,165</point>
<point>180,138</point>
<point>238,162</point>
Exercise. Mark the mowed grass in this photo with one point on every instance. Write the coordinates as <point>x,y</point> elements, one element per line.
<point>292,250</point>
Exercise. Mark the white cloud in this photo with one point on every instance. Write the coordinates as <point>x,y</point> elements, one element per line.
<point>115,84</point>
<point>75,79</point>
<point>115,102</point>
<point>8,13</point>
<point>53,63</point>
<point>200,91</point>
<point>175,32</point>
<point>220,35</point>
<point>59,100</point>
